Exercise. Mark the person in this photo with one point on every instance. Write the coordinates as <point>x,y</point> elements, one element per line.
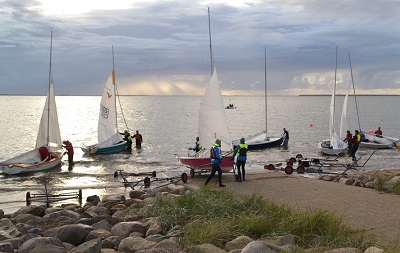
<point>70,151</point>
<point>349,139</point>
<point>128,139</point>
<point>197,146</point>
<point>363,138</point>
<point>356,142</point>
<point>241,149</point>
<point>378,132</point>
<point>138,138</point>
<point>216,159</point>
<point>285,137</point>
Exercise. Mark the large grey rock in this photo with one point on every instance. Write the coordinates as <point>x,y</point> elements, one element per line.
<point>154,228</point>
<point>123,229</point>
<point>6,247</point>
<point>92,246</point>
<point>207,248</point>
<point>112,242</point>
<point>62,213</point>
<point>74,234</point>
<point>8,230</point>
<point>29,219</point>
<point>103,224</point>
<point>238,243</point>
<point>42,245</point>
<point>133,244</point>
<point>257,247</point>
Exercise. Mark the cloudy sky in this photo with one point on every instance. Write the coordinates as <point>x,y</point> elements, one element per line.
<point>162,46</point>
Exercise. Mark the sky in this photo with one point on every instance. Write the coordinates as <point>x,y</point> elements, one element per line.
<point>162,47</point>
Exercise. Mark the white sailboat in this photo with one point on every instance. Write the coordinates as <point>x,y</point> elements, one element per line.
<point>375,141</point>
<point>334,145</point>
<point>108,136</point>
<point>47,153</point>
<point>212,124</point>
<point>262,140</point>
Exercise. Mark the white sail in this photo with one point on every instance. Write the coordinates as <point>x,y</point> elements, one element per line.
<point>49,130</point>
<point>107,132</point>
<point>343,120</point>
<point>213,123</point>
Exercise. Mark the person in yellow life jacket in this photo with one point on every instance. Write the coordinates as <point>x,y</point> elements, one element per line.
<point>241,150</point>
<point>138,138</point>
<point>128,139</point>
<point>356,143</point>
<point>197,146</point>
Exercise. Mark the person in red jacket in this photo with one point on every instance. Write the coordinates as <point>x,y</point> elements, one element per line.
<point>379,131</point>
<point>70,151</point>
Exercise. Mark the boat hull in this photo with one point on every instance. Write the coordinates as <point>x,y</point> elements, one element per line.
<point>94,150</point>
<point>204,163</point>
<point>13,167</point>
<point>257,143</point>
<point>325,148</point>
<point>378,141</point>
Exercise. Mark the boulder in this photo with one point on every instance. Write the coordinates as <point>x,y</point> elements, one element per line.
<point>42,245</point>
<point>74,234</point>
<point>133,244</point>
<point>123,229</point>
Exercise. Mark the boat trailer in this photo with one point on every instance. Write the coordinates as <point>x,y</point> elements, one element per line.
<point>146,181</point>
<point>316,165</point>
<point>48,197</point>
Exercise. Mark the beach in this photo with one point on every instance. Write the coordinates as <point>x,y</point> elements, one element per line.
<point>361,208</point>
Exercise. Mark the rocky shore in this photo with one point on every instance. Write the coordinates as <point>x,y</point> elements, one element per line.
<point>108,225</point>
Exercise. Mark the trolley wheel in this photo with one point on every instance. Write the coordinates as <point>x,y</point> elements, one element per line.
<point>299,156</point>
<point>289,170</point>
<point>146,182</point>
<point>184,177</point>
<point>192,172</point>
<point>28,198</point>
<point>270,167</point>
<point>289,163</point>
<point>116,175</point>
<point>301,169</point>
<point>292,159</point>
<point>154,174</point>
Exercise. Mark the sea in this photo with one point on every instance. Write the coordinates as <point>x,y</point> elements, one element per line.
<point>168,125</point>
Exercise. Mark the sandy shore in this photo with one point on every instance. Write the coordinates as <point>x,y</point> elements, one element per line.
<point>376,212</point>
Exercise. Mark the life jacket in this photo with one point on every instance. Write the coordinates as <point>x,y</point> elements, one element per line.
<point>198,147</point>
<point>357,139</point>
<point>137,136</point>
<point>213,154</point>
<point>129,138</point>
<point>242,149</point>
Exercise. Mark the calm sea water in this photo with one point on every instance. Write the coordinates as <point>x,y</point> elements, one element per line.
<point>169,127</point>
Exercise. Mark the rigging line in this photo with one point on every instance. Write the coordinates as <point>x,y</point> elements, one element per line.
<point>209,34</point>
<point>265,92</point>
<point>48,97</point>
<point>354,91</point>
<point>120,106</point>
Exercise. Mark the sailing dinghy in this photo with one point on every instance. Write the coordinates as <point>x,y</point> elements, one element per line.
<point>262,140</point>
<point>47,153</point>
<point>334,145</point>
<point>212,125</point>
<point>375,141</point>
<point>108,137</point>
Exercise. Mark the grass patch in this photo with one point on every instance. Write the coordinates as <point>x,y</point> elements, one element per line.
<point>217,216</point>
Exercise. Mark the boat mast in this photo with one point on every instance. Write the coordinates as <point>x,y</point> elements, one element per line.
<point>113,82</point>
<point>354,90</point>
<point>48,98</point>
<point>209,34</point>
<point>265,91</point>
<point>334,93</point>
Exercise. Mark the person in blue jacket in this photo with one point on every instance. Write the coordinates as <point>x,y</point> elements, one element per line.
<point>241,150</point>
<point>216,159</point>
